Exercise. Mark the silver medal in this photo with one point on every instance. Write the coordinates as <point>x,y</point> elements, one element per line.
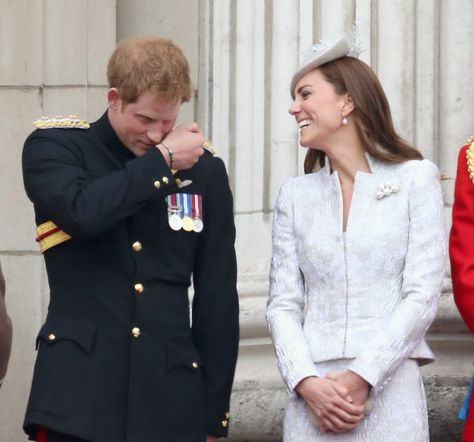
<point>198,225</point>
<point>175,221</point>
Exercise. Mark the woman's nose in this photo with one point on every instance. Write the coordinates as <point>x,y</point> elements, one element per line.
<point>294,109</point>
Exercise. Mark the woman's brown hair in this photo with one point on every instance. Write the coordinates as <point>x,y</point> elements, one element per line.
<point>371,115</point>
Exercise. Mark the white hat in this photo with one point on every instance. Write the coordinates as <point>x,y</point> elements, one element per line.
<point>325,51</point>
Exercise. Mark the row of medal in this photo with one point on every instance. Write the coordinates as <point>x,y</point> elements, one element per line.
<point>185,212</point>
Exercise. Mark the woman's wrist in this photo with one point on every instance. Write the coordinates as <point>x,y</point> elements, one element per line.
<point>305,383</point>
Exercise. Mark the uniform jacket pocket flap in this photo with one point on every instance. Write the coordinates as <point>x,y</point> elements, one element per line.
<point>61,327</point>
<point>182,353</point>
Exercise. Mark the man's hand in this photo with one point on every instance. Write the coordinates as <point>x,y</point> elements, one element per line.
<point>330,403</point>
<point>185,142</point>
<point>211,438</point>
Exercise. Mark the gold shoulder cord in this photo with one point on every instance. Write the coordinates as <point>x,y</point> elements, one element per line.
<point>209,147</point>
<point>470,158</point>
<point>60,122</point>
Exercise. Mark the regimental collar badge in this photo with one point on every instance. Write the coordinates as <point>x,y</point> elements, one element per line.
<point>470,158</point>
<point>60,122</point>
<point>185,212</point>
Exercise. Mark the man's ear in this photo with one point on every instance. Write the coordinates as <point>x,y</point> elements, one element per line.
<point>113,97</point>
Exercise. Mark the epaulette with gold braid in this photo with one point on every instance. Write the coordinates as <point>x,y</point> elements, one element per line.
<point>209,147</point>
<point>470,158</point>
<point>60,122</point>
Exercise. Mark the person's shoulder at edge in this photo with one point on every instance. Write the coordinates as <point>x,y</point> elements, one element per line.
<point>468,144</point>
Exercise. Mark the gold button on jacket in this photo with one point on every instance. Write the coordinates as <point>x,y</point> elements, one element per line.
<point>139,288</point>
<point>137,246</point>
<point>157,184</point>
<point>136,332</point>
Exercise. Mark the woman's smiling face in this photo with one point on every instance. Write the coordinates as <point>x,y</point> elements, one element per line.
<point>317,108</point>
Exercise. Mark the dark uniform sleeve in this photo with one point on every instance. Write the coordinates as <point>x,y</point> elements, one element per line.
<point>5,330</point>
<point>58,183</point>
<point>461,241</point>
<point>215,305</point>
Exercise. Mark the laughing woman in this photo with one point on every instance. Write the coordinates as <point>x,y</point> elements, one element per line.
<point>358,259</point>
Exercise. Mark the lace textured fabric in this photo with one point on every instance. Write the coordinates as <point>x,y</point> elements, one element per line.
<point>369,299</point>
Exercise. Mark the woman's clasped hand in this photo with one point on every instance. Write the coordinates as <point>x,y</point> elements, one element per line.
<point>337,401</point>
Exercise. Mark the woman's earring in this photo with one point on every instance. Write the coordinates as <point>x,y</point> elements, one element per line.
<point>344,120</point>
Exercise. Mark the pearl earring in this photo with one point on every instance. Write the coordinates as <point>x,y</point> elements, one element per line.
<point>344,120</point>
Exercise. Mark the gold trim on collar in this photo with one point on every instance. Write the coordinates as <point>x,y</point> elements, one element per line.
<point>50,235</point>
<point>470,158</point>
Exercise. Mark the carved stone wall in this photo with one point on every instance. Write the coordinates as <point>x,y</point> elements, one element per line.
<point>242,55</point>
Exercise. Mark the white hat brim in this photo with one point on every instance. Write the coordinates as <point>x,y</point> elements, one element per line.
<point>340,48</point>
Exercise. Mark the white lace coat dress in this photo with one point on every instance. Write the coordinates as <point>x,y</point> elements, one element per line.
<point>362,303</point>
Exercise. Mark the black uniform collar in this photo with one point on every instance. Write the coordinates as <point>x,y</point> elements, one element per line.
<point>110,139</point>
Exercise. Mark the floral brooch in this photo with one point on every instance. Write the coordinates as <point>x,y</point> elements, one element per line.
<point>386,190</point>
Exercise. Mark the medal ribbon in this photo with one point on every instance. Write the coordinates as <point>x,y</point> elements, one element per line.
<point>197,206</point>
<point>176,201</point>
<point>185,204</point>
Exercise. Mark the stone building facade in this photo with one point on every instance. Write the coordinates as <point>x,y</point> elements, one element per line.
<point>242,54</point>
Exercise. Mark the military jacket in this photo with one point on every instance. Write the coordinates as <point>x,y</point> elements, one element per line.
<point>120,357</point>
<point>461,251</point>
<point>462,236</point>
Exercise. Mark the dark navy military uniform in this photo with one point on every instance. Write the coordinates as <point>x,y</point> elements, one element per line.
<point>117,357</point>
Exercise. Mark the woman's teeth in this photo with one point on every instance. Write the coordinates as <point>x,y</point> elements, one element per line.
<point>304,123</point>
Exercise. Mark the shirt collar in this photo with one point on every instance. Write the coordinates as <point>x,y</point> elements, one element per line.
<point>374,164</point>
<point>110,139</point>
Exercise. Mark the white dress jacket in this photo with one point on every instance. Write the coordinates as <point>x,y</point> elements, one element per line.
<point>368,294</point>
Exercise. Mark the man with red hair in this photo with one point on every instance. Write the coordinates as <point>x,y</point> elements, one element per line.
<point>130,210</point>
